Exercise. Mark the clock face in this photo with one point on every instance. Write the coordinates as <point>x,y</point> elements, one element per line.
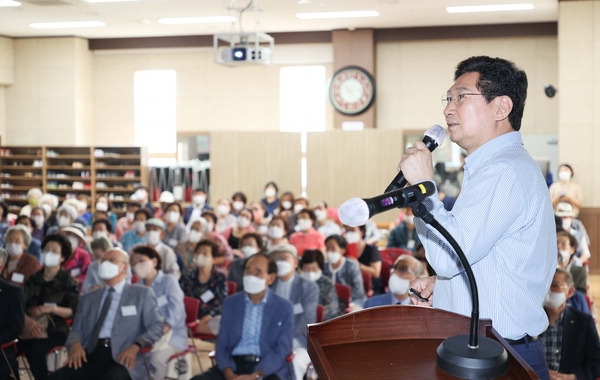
<point>352,90</point>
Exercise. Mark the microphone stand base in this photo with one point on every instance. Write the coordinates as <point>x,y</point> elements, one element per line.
<point>488,360</point>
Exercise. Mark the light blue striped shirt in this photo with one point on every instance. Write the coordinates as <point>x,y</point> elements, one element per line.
<point>253,315</point>
<point>504,223</point>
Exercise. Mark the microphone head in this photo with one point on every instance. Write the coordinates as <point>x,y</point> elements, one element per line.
<point>437,133</point>
<point>354,212</point>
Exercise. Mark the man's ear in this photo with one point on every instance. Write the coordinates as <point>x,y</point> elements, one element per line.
<point>504,106</point>
<point>271,277</point>
<point>571,292</point>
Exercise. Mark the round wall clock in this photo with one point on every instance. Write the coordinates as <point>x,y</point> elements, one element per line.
<point>352,90</point>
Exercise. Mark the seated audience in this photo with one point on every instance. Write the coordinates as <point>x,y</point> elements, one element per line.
<point>367,255</point>
<point>38,215</point>
<point>567,246</point>
<point>125,223</point>
<point>34,248</point>
<point>261,222</point>
<point>270,202</point>
<point>575,227</point>
<point>277,232</point>
<point>92,278</point>
<point>51,297</point>
<point>404,235</point>
<point>225,219</point>
<point>302,293</point>
<point>137,235</point>
<point>33,199</point>
<point>325,225</point>
<point>203,282</point>
<point>405,269</point>
<point>225,257</point>
<point>65,216</point>
<point>155,229</point>
<point>3,220</point>
<point>103,205</point>
<point>242,227</point>
<point>257,350</point>
<point>198,205</point>
<point>238,202</point>
<point>110,327</point>
<point>286,204</point>
<point>80,258</point>
<point>174,229</point>
<point>251,243</point>
<point>194,233</point>
<point>12,316</point>
<point>20,264</point>
<point>311,267</point>
<point>142,196</point>
<point>306,237</point>
<point>165,199</point>
<point>571,340</point>
<point>103,227</point>
<point>146,264</point>
<point>565,190</point>
<point>344,270</point>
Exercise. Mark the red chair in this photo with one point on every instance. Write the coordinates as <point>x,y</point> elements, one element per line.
<point>391,254</point>
<point>192,305</point>
<point>367,283</point>
<point>320,313</point>
<point>386,271</point>
<point>231,287</point>
<point>344,293</point>
<point>11,344</point>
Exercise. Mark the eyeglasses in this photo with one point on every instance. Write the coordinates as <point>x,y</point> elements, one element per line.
<point>446,100</point>
<point>402,269</point>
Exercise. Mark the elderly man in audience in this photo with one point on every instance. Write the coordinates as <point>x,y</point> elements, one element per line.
<point>260,328</point>
<point>250,244</point>
<point>302,293</point>
<point>20,264</point>
<point>572,344</point>
<point>155,230</point>
<point>405,269</point>
<point>110,327</point>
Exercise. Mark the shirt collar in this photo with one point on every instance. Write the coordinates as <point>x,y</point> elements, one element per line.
<point>491,149</point>
<point>118,287</point>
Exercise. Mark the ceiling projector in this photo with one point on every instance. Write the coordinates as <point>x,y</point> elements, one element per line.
<point>236,49</point>
<point>245,54</point>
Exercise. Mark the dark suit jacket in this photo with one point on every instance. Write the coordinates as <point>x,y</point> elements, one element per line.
<point>580,351</point>
<point>275,333</point>
<point>144,326</point>
<point>12,312</point>
<point>304,297</point>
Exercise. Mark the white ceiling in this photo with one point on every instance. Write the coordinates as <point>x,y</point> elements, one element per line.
<point>139,18</point>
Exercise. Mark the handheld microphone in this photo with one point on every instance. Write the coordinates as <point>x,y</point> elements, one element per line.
<point>356,211</point>
<point>432,138</point>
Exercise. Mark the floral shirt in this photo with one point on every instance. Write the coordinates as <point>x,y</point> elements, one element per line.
<point>211,294</point>
<point>62,290</point>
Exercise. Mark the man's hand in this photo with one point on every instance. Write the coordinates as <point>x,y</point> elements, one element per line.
<point>424,286</point>
<point>127,356</point>
<point>554,375</point>
<point>77,356</point>
<point>417,163</point>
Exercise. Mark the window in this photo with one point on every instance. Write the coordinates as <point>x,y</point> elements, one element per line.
<point>302,91</point>
<point>154,105</point>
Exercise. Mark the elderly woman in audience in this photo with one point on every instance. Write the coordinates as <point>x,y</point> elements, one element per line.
<point>270,201</point>
<point>80,259</point>
<point>49,203</point>
<point>238,201</point>
<point>175,230</point>
<point>20,264</point>
<point>243,226</point>
<point>278,231</point>
<point>125,223</point>
<point>195,230</point>
<point>344,270</point>
<point>225,219</point>
<point>65,216</point>
<point>51,297</point>
<point>92,279</point>
<point>38,215</point>
<point>261,222</point>
<point>325,224</point>
<point>311,268</point>
<point>138,234</point>
<point>34,248</point>
<point>286,205</point>
<point>565,190</point>
<point>146,264</point>
<point>207,285</point>
<point>103,204</point>
<point>306,236</point>
<point>367,255</point>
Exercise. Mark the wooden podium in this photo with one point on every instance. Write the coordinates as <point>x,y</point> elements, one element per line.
<point>394,342</point>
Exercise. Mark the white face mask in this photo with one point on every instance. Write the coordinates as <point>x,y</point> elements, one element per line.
<point>243,222</point>
<point>276,232</point>
<point>101,206</point>
<point>39,221</point>
<point>74,242</point>
<point>398,285</point>
<point>130,216</point>
<point>141,195</point>
<point>143,268</point>
<point>194,236</point>
<point>99,234</point>
<point>249,250</point>
<point>286,205</point>
<point>554,299</point>
<point>333,257</point>
<point>321,215</point>
<point>63,221</point>
<point>254,285</point>
<point>270,193</point>
<point>153,237</point>
<point>223,210</point>
<point>298,208</point>
<point>173,217</point>
<point>304,224</point>
<point>352,237</point>
<point>283,268</point>
<point>311,276</point>
<point>203,261</point>
<point>564,175</point>
<point>566,255</point>
<point>50,259</point>
<point>108,270</point>
<point>238,205</point>
<point>199,200</point>
<point>139,226</point>
<point>14,249</point>
<point>566,223</point>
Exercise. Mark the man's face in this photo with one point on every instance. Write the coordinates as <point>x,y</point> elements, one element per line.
<point>286,256</point>
<point>403,268</point>
<point>559,285</point>
<point>259,266</point>
<point>471,120</point>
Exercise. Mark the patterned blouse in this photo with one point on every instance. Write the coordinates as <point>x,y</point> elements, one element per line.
<point>62,290</point>
<point>211,294</point>
<point>329,299</point>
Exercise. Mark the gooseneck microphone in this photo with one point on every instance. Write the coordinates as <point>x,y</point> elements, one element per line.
<point>356,211</point>
<point>432,138</point>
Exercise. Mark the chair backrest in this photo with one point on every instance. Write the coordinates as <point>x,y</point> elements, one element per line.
<point>344,293</point>
<point>385,274</point>
<point>391,254</point>
<point>367,283</point>
<point>320,313</point>
<point>231,287</point>
<point>192,305</point>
